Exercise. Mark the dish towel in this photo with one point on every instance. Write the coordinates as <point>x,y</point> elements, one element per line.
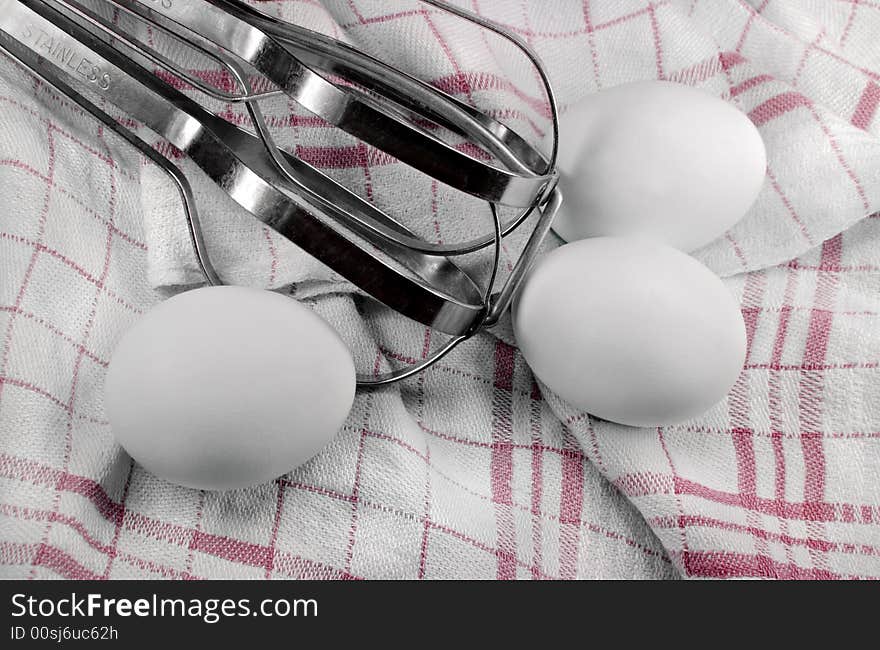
<point>471,470</point>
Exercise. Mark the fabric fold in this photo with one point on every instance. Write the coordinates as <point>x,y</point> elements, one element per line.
<point>471,470</point>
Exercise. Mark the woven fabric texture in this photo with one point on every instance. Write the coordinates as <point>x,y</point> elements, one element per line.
<point>471,470</point>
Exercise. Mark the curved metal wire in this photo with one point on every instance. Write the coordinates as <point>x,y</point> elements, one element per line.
<point>364,381</point>
<point>526,49</point>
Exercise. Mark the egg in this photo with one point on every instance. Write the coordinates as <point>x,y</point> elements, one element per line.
<point>228,387</point>
<point>658,160</point>
<point>630,331</point>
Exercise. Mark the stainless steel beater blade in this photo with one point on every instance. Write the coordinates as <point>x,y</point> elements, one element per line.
<point>395,88</point>
<point>354,113</point>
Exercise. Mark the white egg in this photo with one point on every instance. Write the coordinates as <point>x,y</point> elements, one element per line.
<point>658,160</point>
<point>228,387</point>
<point>630,330</point>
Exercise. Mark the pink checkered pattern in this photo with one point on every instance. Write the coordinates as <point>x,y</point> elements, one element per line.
<point>470,470</point>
